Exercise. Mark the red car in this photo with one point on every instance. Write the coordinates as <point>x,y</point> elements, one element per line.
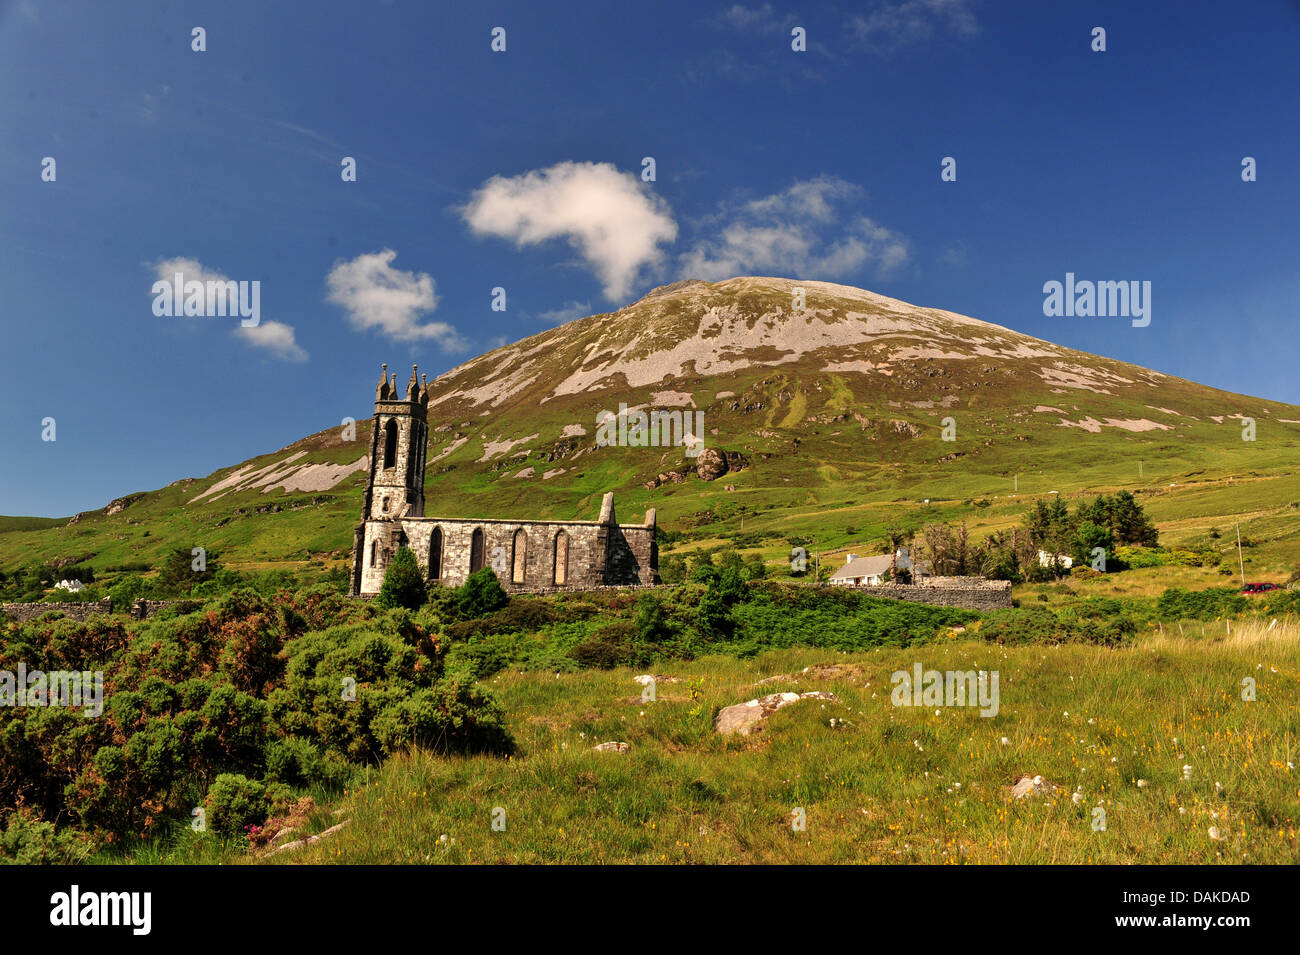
<point>1259,588</point>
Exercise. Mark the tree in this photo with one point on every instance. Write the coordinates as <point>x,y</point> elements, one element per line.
<point>1124,516</point>
<point>404,582</point>
<point>672,569</point>
<point>178,572</point>
<point>940,548</point>
<point>481,594</point>
<point>895,537</point>
<point>1089,536</point>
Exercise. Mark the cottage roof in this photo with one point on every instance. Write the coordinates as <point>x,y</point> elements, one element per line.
<point>864,567</point>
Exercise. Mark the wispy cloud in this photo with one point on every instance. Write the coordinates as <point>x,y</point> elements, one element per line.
<point>758,49</point>
<point>605,214</point>
<point>808,231</point>
<point>890,24</point>
<point>149,103</point>
<point>749,19</point>
<point>311,134</point>
<point>374,295</point>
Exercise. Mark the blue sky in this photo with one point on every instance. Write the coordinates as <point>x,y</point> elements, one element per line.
<point>521,169</point>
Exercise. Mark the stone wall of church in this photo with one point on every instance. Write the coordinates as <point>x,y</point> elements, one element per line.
<point>599,555</point>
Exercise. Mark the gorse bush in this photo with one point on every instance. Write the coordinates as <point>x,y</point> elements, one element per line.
<point>28,840</point>
<point>233,802</point>
<point>227,708</point>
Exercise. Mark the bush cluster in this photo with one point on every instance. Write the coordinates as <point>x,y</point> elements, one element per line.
<point>227,708</point>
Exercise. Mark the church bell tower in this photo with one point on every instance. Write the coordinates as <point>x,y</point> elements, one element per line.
<point>399,438</point>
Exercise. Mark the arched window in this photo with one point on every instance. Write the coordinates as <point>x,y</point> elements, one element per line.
<point>476,550</point>
<point>390,443</point>
<point>374,552</point>
<point>561,558</point>
<point>520,562</point>
<point>435,554</point>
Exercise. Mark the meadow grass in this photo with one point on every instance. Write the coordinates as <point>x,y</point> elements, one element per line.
<point>884,783</point>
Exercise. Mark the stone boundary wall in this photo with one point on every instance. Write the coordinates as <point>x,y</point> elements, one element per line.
<point>968,593</point>
<point>140,609</point>
<point>77,611</point>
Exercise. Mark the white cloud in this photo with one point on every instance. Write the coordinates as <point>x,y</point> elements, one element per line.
<point>566,313</point>
<point>275,337</point>
<point>377,296</point>
<point>191,270</point>
<point>895,23</point>
<point>604,214</point>
<point>797,232</point>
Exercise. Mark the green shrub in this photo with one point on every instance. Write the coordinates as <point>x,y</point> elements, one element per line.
<point>452,717</point>
<point>294,762</point>
<point>481,594</point>
<point>1101,624</point>
<point>27,840</point>
<point>233,802</point>
<point>1138,556</point>
<point>403,582</point>
<point>1188,558</point>
<point>271,692</point>
<point>672,569</point>
<point>1178,604</point>
<point>609,647</point>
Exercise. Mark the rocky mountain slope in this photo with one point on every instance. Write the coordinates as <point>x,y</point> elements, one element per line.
<point>855,403</point>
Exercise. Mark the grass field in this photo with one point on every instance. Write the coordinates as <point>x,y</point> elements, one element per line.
<point>1157,735</point>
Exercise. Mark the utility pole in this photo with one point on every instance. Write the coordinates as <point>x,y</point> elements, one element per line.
<point>1241,563</point>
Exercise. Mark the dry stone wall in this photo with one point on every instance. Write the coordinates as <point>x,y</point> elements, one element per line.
<point>969,593</point>
<point>77,611</point>
<point>23,612</point>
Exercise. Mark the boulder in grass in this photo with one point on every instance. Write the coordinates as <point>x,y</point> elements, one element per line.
<point>744,717</point>
<point>610,747</point>
<point>1027,785</point>
<point>645,679</point>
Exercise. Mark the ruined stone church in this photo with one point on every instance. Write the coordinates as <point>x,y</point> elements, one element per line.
<point>528,556</point>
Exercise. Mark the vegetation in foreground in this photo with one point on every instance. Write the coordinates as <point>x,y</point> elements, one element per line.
<point>242,710</point>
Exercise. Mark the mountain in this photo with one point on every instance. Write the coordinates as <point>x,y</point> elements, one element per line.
<point>826,421</point>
